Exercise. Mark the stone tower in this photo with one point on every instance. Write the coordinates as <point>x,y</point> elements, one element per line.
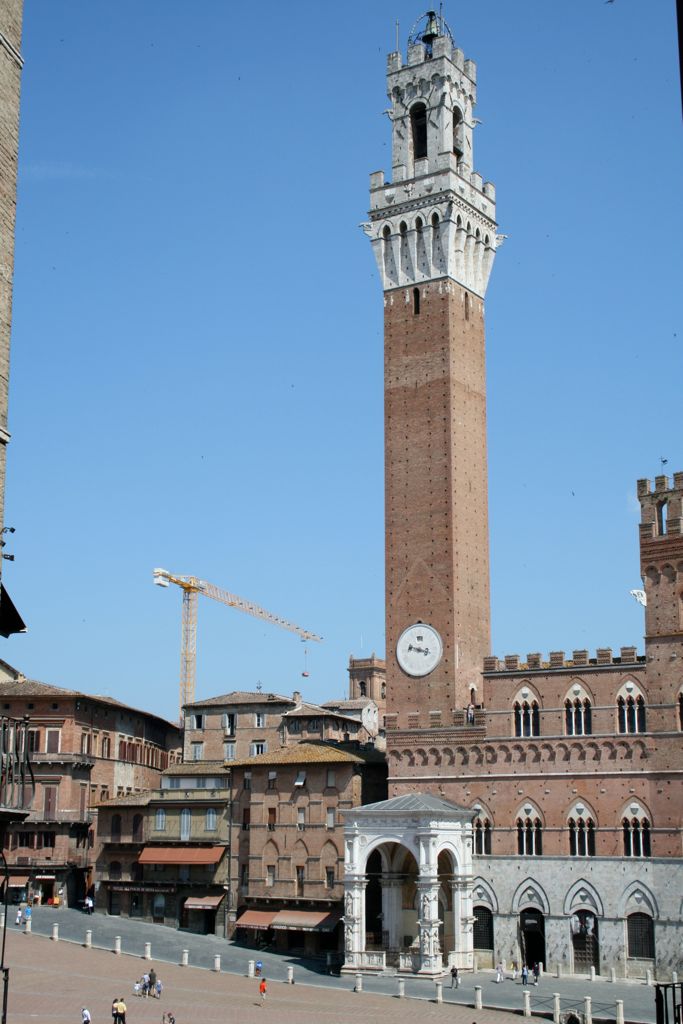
<point>11,63</point>
<point>433,232</point>
<point>661,567</point>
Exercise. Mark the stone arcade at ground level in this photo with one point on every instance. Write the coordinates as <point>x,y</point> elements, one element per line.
<point>408,886</point>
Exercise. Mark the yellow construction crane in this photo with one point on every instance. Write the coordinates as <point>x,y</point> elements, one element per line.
<point>192,587</point>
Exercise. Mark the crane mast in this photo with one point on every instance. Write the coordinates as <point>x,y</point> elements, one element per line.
<point>192,587</point>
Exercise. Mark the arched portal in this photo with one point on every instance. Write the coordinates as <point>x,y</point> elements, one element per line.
<point>532,937</point>
<point>408,882</point>
<point>585,942</point>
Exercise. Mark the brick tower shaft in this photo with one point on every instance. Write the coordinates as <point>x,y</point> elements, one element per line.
<point>437,568</point>
<point>433,232</point>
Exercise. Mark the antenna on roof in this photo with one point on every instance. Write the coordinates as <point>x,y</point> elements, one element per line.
<point>259,686</point>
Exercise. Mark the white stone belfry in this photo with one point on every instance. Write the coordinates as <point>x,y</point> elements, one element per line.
<point>437,837</point>
<point>437,218</point>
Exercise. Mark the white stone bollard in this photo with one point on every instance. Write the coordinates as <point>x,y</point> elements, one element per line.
<point>526,1003</point>
<point>401,988</point>
<point>558,970</point>
<point>620,1011</point>
<point>556,1008</point>
<point>477,998</point>
<point>251,969</point>
<point>540,971</point>
<point>475,964</point>
<point>2,919</point>
<point>439,991</point>
<point>587,1010</point>
<point>612,974</point>
<point>674,977</point>
<point>148,951</point>
<point>217,962</point>
<point>55,933</point>
<point>648,978</point>
<point>27,926</point>
<point>359,983</point>
<point>592,978</point>
<point>184,958</point>
<point>88,939</point>
<point>117,945</point>
<point>290,974</point>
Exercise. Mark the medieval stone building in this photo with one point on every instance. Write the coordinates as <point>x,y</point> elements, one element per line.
<point>534,809</point>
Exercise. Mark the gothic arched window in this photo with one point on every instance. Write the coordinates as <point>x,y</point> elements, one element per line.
<point>527,718</point>
<point>418,125</point>
<point>578,717</point>
<point>482,836</point>
<point>636,837</point>
<point>529,837</point>
<point>581,837</point>
<point>631,714</point>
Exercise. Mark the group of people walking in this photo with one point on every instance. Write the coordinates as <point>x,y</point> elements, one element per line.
<point>524,973</point>
<point>148,985</point>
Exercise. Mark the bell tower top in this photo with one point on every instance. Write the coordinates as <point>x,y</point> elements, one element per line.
<point>432,97</point>
<point>435,188</point>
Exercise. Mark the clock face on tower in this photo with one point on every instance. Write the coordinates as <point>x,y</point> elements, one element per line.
<point>419,649</point>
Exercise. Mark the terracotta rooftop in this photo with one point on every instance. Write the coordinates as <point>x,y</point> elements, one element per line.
<point>196,768</point>
<point>23,687</point>
<point>316,711</point>
<point>241,697</point>
<point>128,800</point>
<point>310,752</point>
<point>360,702</point>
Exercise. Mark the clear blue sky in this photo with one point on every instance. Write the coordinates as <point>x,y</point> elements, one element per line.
<point>197,343</point>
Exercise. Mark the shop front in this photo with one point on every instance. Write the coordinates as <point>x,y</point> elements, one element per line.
<point>201,914</point>
<point>309,932</point>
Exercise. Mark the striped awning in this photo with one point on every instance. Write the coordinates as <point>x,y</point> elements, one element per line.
<point>18,881</point>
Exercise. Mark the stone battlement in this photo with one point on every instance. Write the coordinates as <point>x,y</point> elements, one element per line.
<point>556,660</point>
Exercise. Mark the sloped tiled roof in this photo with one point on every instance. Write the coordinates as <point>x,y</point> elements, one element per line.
<point>316,711</point>
<point>196,768</point>
<point>414,803</point>
<point>23,687</point>
<point>311,752</point>
<point>128,800</point>
<point>241,697</point>
<point>360,702</point>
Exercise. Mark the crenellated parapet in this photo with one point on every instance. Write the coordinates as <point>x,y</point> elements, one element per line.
<point>661,507</point>
<point>556,661</point>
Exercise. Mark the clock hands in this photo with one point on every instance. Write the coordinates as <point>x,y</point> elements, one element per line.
<point>418,650</point>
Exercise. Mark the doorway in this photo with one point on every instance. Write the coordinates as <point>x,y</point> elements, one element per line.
<point>532,937</point>
<point>585,942</point>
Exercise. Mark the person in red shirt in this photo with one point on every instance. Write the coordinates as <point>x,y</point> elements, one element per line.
<point>263,988</point>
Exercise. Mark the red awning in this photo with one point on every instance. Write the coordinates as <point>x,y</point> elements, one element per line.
<point>202,902</point>
<point>255,919</point>
<point>18,881</point>
<point>181,854</point>
<point>307,920</point>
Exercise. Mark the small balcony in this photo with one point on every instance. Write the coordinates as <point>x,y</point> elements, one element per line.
<point>17,785</point>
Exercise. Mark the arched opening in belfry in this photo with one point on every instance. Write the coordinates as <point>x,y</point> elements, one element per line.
<point>418,126</point>
<point>662,508</point>
<point>458,133</point>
